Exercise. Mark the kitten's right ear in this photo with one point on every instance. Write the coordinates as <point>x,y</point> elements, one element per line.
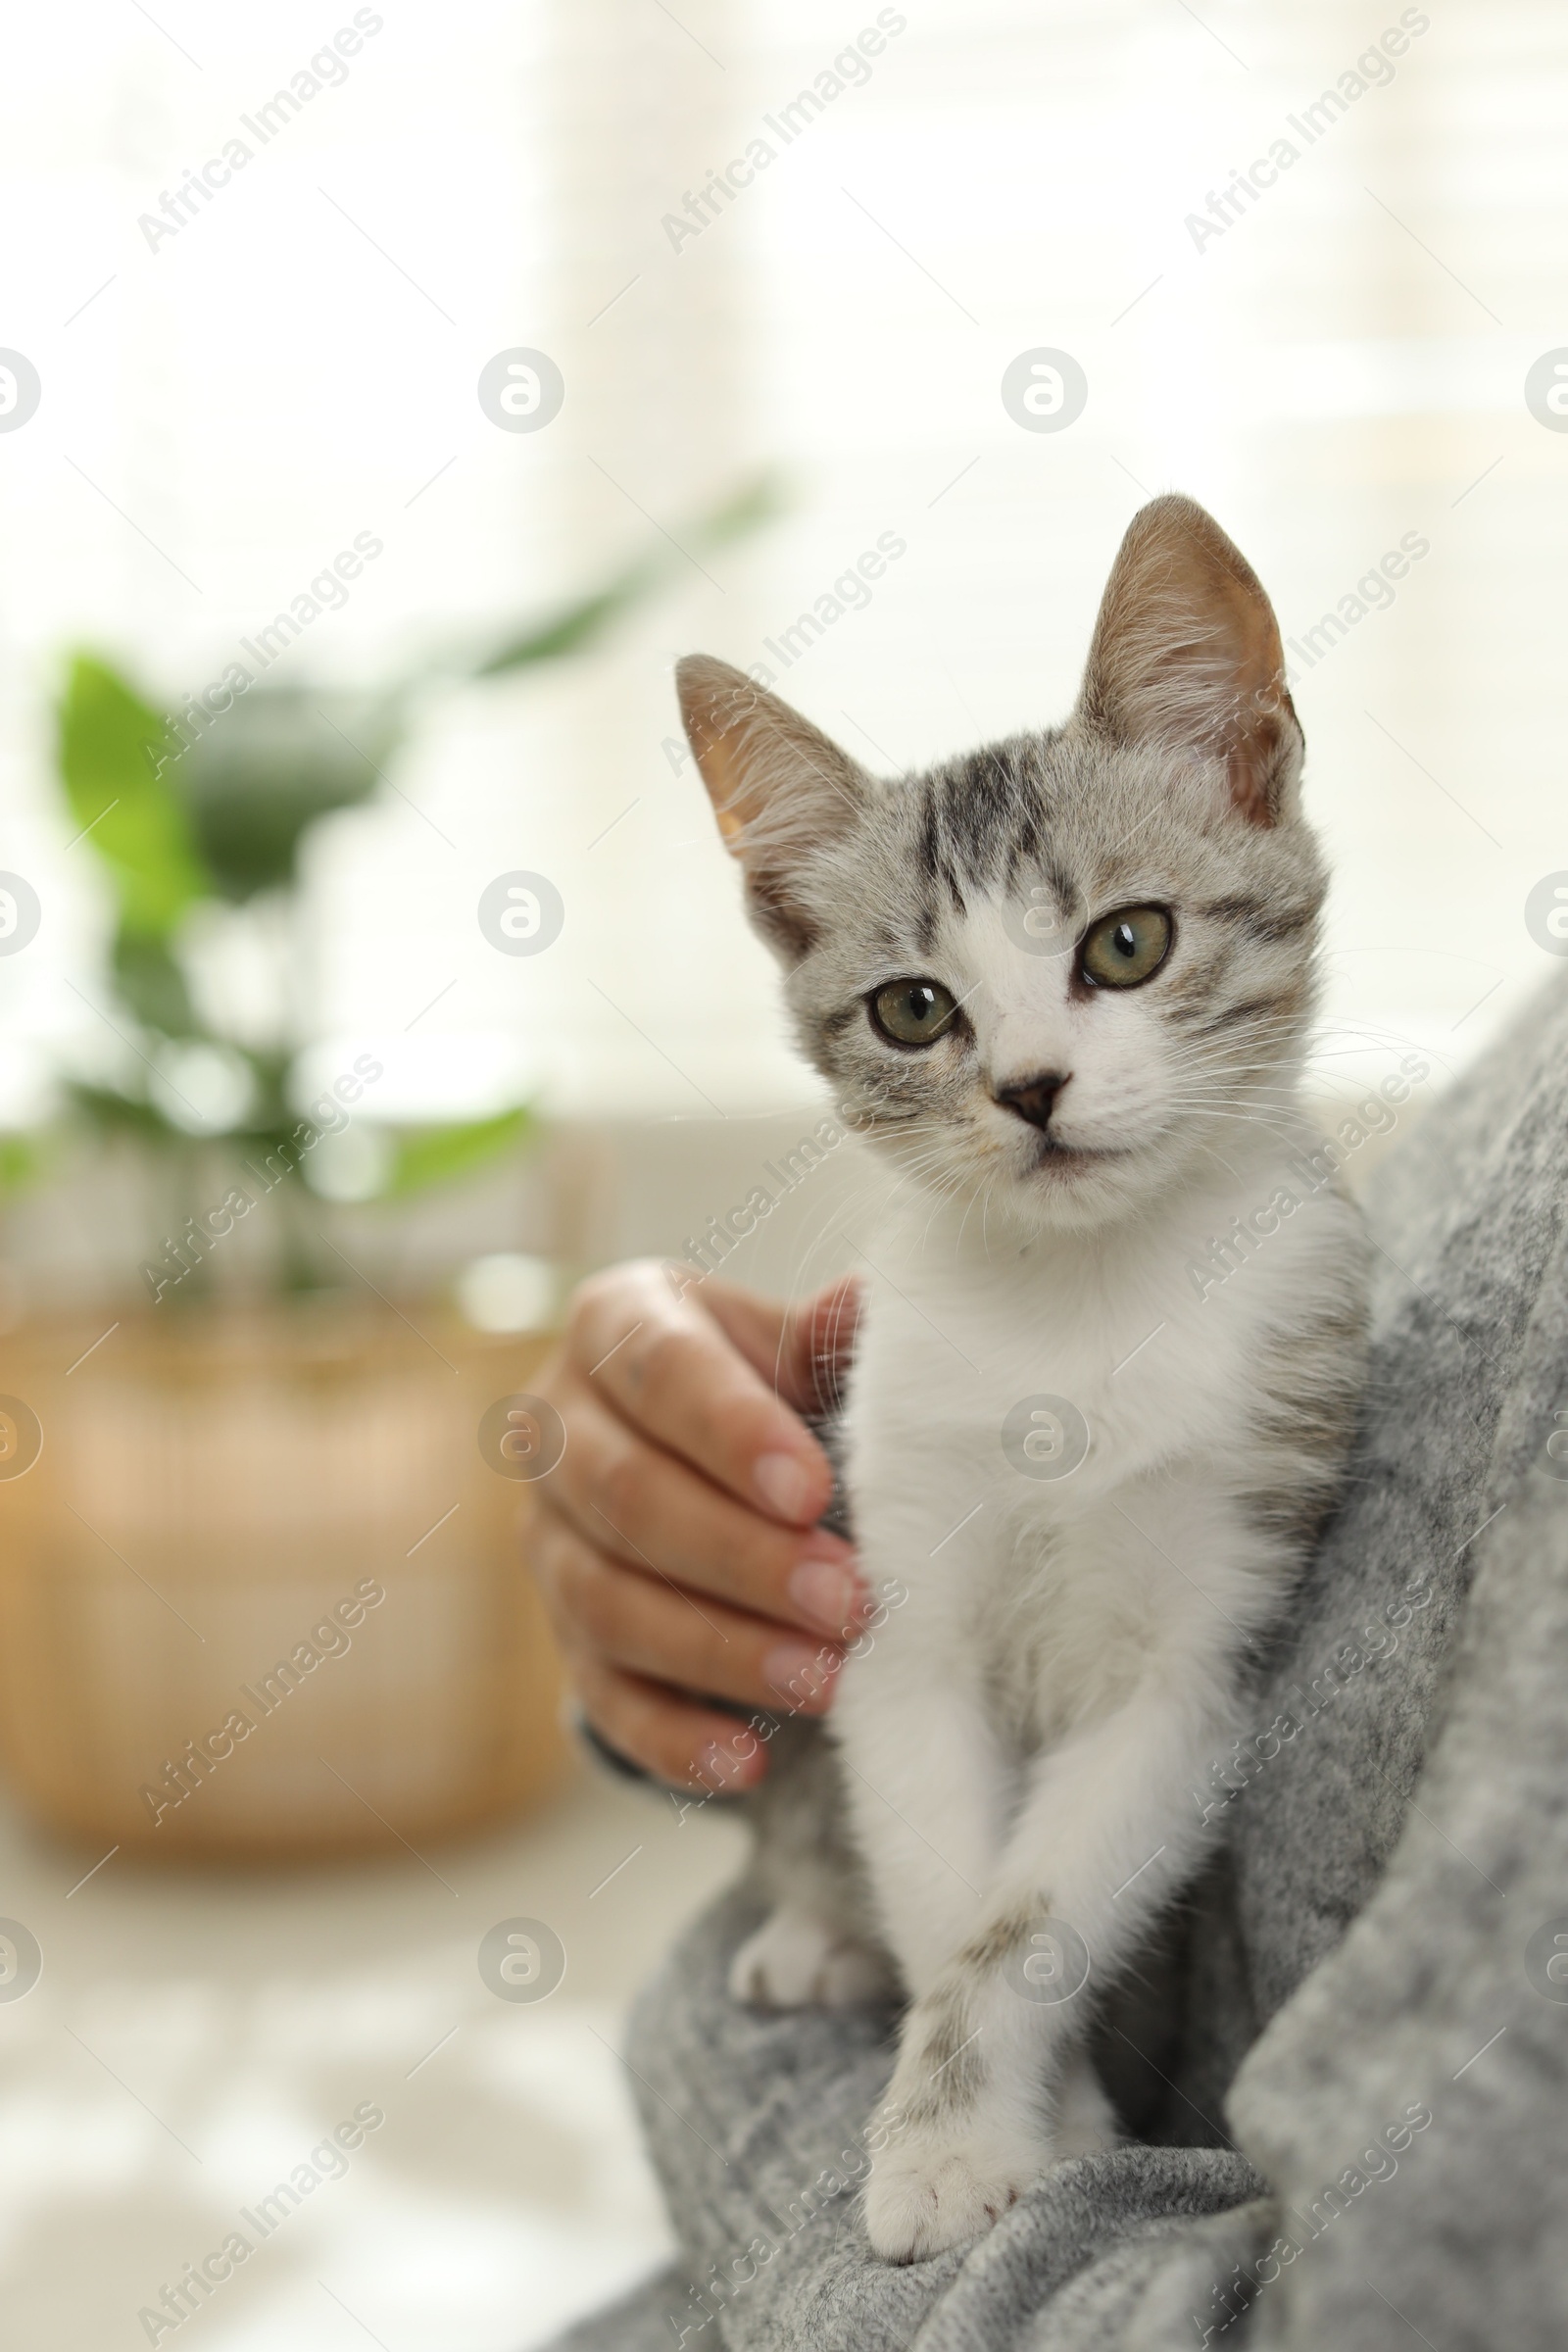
<point>781,789</point>
<point>1186,655</point>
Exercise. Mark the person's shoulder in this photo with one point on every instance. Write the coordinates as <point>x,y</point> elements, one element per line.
<point>1495,1134</point>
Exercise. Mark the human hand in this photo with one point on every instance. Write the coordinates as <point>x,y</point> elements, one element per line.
<point>675,1542</point>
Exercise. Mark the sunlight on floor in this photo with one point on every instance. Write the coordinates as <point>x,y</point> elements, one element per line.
<point>195,2035</point>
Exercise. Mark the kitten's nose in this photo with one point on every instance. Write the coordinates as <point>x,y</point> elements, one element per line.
<point>1033,1099</point>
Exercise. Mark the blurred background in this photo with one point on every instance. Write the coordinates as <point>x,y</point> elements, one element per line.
<point>387,398</point>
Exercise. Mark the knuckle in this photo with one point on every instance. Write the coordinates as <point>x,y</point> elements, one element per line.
<point>596,1603</point>
<point>598,1314</point>
<point>673,1355</point>
<point>613,1299</point>
<point>598,1292</point>
<point>619,1485</point>
<point>558,1574</point>
<point>645,1278</point>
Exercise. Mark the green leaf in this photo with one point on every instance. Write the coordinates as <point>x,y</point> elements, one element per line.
<point>270,766</point>
<point>114,754</point>
<point>578,623</point>
<point>440,1155</point>
<point>759,501</point>
<point>112,1113</point>
<point>152,984</point>
<point>20,1161</point>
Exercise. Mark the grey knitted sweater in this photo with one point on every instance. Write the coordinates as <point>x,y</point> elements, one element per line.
<point>1347,2070</point>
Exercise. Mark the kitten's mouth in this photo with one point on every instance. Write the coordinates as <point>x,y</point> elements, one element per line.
<point>1054,1159</point>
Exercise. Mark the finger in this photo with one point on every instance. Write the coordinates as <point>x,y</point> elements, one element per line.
<point>653,1629</point>
<point>653,1511</point>
<point>667,1367</point>
<point>677,1740</point>
<point>802,1351</point>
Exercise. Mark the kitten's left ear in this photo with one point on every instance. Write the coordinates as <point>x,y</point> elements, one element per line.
<point>1187,655</point>
<point>781,789</point>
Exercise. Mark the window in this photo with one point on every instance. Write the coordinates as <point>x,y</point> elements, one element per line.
<point>1330,351</point>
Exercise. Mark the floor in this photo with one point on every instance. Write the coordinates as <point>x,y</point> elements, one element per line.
<point>193,2036</point>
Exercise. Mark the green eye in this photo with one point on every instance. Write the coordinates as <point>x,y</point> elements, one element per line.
<point>912,1012</point>
<point>1124,950</point>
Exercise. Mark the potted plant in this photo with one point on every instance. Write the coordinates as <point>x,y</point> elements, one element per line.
<point>260,1593</point>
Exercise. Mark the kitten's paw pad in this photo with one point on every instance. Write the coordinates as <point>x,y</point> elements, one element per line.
<point>920,2200</point>
<point>794,1961</point>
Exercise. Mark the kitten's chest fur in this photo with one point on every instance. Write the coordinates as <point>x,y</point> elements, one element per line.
<point>1106,1347</point>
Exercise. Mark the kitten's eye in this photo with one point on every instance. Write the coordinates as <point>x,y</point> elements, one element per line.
<point>1123,950</point>
<point>912,1012</point>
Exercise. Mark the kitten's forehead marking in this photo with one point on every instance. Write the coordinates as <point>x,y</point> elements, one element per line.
<point>978,818</point>
<point>1054,835</point>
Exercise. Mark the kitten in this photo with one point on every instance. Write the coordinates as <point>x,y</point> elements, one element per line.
<point>1065,983</point>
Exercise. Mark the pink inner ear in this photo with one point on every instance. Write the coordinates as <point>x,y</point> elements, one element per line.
<point>1257,763</point>
<point>1187,653</point>
<point>1245,772</point>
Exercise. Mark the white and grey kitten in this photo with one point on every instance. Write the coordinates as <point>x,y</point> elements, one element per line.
<point>1065,983</point>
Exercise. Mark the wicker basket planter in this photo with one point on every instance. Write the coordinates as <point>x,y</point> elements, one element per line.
<point>261,1595</point>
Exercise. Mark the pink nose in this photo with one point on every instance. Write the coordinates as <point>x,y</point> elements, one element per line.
<point>1033,1099</point>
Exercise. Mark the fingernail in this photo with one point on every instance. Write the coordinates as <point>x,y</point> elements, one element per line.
<point>830,1595</point>
<point>784,1484</point>
<point>802,1675</point>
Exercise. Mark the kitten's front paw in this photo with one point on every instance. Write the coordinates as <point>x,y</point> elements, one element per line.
<point>927,2194</point>
<point>796,1961</point>
<point>1085,2119</point>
